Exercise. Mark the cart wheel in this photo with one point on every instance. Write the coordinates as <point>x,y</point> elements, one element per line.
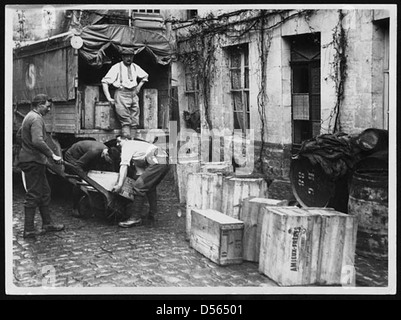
<point>84,207</point>
<point>98,205</point>
<point>117,210</point>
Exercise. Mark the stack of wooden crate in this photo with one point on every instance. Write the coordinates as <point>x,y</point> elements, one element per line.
<point>212,210</point>
<point>217,191</point>
<point>228,222</point>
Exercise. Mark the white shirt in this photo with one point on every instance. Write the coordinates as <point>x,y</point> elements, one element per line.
<point>136,150</point>
<point>113,76</point>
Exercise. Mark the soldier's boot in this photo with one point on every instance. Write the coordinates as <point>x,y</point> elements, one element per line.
<point>135,218</point>
<point>47,224</point>
<point>29,223</point>
<point>152,199</point>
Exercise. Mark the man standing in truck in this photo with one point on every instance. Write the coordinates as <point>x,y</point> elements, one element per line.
<point>128,78</point>
<point>32,161</point>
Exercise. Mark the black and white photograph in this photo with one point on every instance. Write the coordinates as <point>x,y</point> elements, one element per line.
<point>200,150</point>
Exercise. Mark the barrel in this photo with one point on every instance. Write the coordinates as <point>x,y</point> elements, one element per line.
<point>368,201</point>
<point>373,140</point>
<point>312,187</point>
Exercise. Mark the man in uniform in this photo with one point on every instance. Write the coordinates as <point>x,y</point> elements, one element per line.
<point>32,161</point>
<point>128,78</point>
<point>151,165</point>
<point>86,155</point>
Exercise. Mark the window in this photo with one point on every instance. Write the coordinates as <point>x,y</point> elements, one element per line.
<point>147,11</point>
<point>305,66</point>
<point>191,89</point>
<point>191,14</point>
<point>239,85</point>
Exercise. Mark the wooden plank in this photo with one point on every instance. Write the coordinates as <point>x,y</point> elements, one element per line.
<point>217,167</point>
<point>109,179</point>
<point>150,108</point>
<point>65,117</point>
<point>105,116</point>
<point>66,110</point>
<point>91,95</point>
<point>348,259</point>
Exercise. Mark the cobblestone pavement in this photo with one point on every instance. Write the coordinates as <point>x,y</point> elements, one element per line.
<point>92,253</point>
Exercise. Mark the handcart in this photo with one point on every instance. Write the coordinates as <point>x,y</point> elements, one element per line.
<point>96,200</point>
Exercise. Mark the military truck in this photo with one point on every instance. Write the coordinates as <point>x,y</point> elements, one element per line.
<point>69,68</point>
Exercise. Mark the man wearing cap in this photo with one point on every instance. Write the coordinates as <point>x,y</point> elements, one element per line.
<point>90,154</point>
<point>32,161</point>
<point>151,165</point>
<point>87,154</point>
<point>125,76</point>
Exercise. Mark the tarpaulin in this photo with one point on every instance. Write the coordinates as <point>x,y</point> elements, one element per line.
<point>335,153</point>
<point>97,38</point>
<point>50,72</point>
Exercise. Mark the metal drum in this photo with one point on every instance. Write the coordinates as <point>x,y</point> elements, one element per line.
<point>312,187</point>
<point>368,200</point>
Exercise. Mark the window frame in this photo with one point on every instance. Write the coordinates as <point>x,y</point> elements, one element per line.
<point>243,90</point>
<point>194,92</point>
<point>307,125</point>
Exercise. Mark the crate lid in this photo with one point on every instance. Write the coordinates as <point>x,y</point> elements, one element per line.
<point>217,216</point>
<point>326,212</point>
<point>272,202</point>
<point>287,211</point>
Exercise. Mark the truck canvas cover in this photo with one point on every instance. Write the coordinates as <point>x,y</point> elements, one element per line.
<point>50,65</point>
<point>97,38</point>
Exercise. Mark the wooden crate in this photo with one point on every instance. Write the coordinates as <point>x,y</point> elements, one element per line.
<point>105,116</point>
<point>217,167</point>
<point>204,191</point>
<point>109,179</point>
<point>306,247</point>
<point>181,172</point>
<point>236,189</point>
<point>217,236</point>
<point>337,245</point>
<point>251,214</point>
<point>150,108</point>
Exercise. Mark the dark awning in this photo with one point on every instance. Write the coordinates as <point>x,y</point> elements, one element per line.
<point>97,38</point>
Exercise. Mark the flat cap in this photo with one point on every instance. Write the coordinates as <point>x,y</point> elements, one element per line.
<point>127,51</point>
<point>41,98</point>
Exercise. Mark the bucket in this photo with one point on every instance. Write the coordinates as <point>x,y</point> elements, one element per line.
<point>368,201</point>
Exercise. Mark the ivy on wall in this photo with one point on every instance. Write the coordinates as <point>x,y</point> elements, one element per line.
<point>339,70</point>
<point>197,47</point>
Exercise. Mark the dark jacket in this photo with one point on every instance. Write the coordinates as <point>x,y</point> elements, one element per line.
<point>33,139</point>
<point>84,153</point>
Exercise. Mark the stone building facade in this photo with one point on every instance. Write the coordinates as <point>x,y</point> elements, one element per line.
<point>288,75</point>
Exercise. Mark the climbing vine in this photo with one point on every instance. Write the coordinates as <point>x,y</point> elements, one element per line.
<point>197,46</point>
<point>262,99</point>
<point>339,67</point>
